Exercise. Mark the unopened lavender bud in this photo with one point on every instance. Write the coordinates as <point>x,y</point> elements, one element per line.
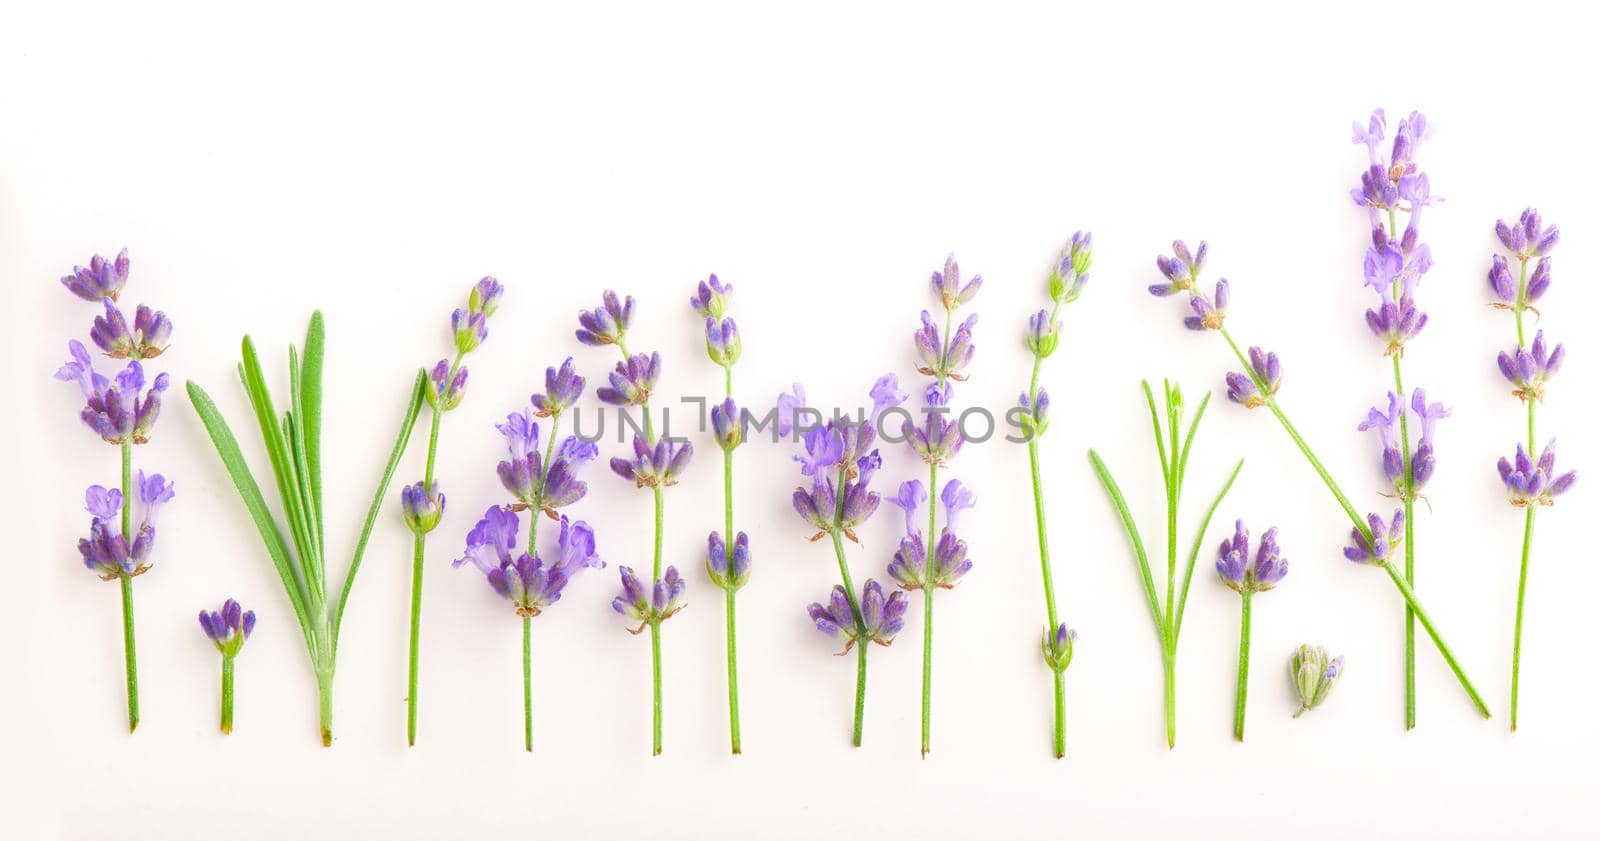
<point>445,390</point>
<point>228,628</point>
<point>470,329</point>
<point>1056,646</point>
<point>102,279</point>
<point>722,341</point>
<point>710,300</point>
<point>728,424</point>
<point>1313,674</point>
<point>1043,334</point>
<point>422,509</point>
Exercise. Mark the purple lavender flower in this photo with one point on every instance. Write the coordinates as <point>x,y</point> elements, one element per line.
<point>1528,238</point>
<point>947,285</point>
<point>445,390</point>
<point>1056,646</point>
<point>710,300</point>
<point>1209,314</point>
<point>1396,323</point>
<point>491,541</point>
<point>717,561</point>
<point>522,471</point>
<point>939,359</point>
<point>1422,459</point>
<point>1237,570</point>
<point>471,329</point>
<point>1530,368</point>
<point>1043,334</point>
<point>1067,281</point>
<point>485,298</point>
<point>145,340</point>
<point>1180,270</point>
<point>561,484</point>
<point>816,506</point>
<point>881,618</point>
<point>728,424</point>
<point>909,500</point>
<point>956,498</point>
<point>562,388</point>
<point>1387,425</point>
<point>607,324</point>
<point>790,405</point>
<point>1502,284</point>
<point>229,627</point>
<point>632,381</point>
<point>824,450</point>
<point>950,562</point>
<point>1530,482</point>
<point>1385,183</point>
<point>422,509</point>
<point>664,599</point>
<point>660,465</point>
<point>1034,419</point>
<point>106,551</point>
<point>102,279</point>
<point>1264,369</point>
<point>722,341</point>
<point>118,410</point>
<point>938,440</point>
<point>1384,539</point>
<point>533,584</point>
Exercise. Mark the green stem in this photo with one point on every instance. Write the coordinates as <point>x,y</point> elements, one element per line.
<point>1244,666</point>
<point>1169,662</point>
<point>325,705</point>
<point>125,581</point>
<point>1408,500</point>
<point>1060,730</point>
<point>227,695</point>
<point>1522,590</point>
<point>1438,641</point>
<point>527,682</point>
<point>927,607</point>
<point>855,612</point>
<point>655,686</point>
<point>732,625</point>
<point>733,677</point>
<point>416,639</point>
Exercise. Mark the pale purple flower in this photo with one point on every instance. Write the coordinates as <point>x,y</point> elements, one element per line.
<point>445,389</point>
<point>119,410</point>
<point>938,440</point>
<point>1530,482</point>
<point>1530,368</point>
<point>664,598</point>
<point>608,323</point>
<point>909,500</point>
<point>632,381</point>
<point>1528,237</point>
<point>956,498</point>
<point>102,279</point>
<point>492,542</point>
<point>1237,569</point>
<point>947,285</point>
<point>1181,270</point>
<point>717,561</point>
<point>657,466</point>
<point>229,627</point>
<point>1384,539</point>
<point>1208,313</point>
<point>562,388</point>
<point>422,509</point>
<point>710,299</point>
<point>881,617</point>
<point>790,406</point>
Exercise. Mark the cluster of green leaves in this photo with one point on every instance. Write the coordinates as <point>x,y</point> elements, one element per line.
<point>293,442</point>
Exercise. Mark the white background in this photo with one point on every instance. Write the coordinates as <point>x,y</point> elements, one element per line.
<point>375,161</point>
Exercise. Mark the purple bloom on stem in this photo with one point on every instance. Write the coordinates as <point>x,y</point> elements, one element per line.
<point>816,506</point>
<point>1056,645</point>
<point>422,509</point>
<point>1540,282</point>
<point>1501,283</point>
<point>956,498</point>
<point>717,561</point>
<point>658,466</point>
<point>1530,368</point>
<point>102,279</point>
<point>941,360</point>
<point>561,484</point>
<point>1237,569</point>
<point>790,405</point>
<point>445,390</point>
<point>632,381</point>
<point>1035,417</point>
<point>492,541</point>
<point>520,473</point>
<point>470,329</point>
<point>1383,542</point>
<point>562,388</point>
<point>1180,270</point>
<point>1208,314</point>
<point>106,551</point>
<point>1528,238</point>
<point>663,599</point>
<point>1530,482</point>
<point>881,618</point>
<point>1396,323</point>
<point>824,449</point>
<point>1371,136</point>
<point>728,424</point>
<point>1422,460</point>
<point>113,408</point>
<point>885,394</point>
<point>229,627</point>
<point>710,299</point>
<point>103,503</point>
<point>1043,334</point>
<point>938,440</point>
<point>1068,279</point>
<point>485,298</point>
<point>1264,369</point>
<point>532,584</point>
<point>1387,425</point>
<point>910,499</point>
<point>722,341</point>
<point>607,324</point>
<point>947,285</point>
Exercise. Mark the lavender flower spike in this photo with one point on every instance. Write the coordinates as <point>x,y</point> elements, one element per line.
<point>947,285</point>
<point>607,324</point>
<point>1181,270</point>
<point>1209,314</point>
<point>1529,237</point>
<point>1265,372</point>
<point>1383,542</point>
<point>102,279</point>
<point>228,629</point>
<point>658,466</point>
<point>1237,569</point>
<point>422,509</point>
<point>562,388</point>
<point>710,299</point>
<point>661,602</point>
<point>881,618</point>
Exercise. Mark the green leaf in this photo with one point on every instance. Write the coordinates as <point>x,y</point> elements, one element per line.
<point>1188,440</point>
<point>311,417</point>
<point>278,452</point>
<point>413,408</point>
<point>1155,421</point>
<point>233,460</point>
<point>295,437</point>
<point>1199,539</point>
<point>1121,505</point>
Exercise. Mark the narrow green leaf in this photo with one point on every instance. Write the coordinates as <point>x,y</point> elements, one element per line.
<point>278,452</point>
<point>1121,505</point>
<point>1188,440</point>
<point>295,436</point>
<point>1199,540</point>
<point>413,408</point>
<point>233,460</point>
<point>311,418</point>
<point>1155,422</point>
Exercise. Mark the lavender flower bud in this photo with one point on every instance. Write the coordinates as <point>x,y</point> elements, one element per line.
<point>1043,334</point>
<point>484,298</point>
<point>881,618</point>
<point>607,324</point>
<point>1056,645</point>
<point>947,285</point>
<point>722,341</point>
<point>1396,323</point>
<point>532,583</point>
<point>470,329</point>
<point>562,388</point>
<point>445,390</point>
<point>1180,270</point>
<point>1239,572</point>
<point>632,381</point>
<point>1035,417</point>
<point>1209,314</point>
<point>102,279</point>
<point>1530,368</point>
<point>1501,283</point>
<point>711,298</point>
<point>422,509</point>
<point>1264,369</point>
<point>1539,283</point>
<point>938,440</point>
<point>1313,675</point>
<point>717,561</point>
<point>1530,482</point>
<point>663,600</point>
<point>1383,542</point>
<point>728,424</point>
<point>491,541</point>
<point>228,628</point>
<point>658,466</point>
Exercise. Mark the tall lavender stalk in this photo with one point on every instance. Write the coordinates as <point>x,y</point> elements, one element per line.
<point>1066,284</point>
<point>1257,385</point>
<point>1531,480</point>
<point>122,412</point>
<point>656,464</point>
<point>1393,267</point>
<point>422,504</point>
<point>727,556</point>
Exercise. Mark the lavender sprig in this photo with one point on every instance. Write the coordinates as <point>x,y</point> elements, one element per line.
<point>1264,376</point>
<point>122,411</point>
<point>1313,674</point>
<point>228,629</point>
<point>1530,483</point>
<point>422,504</point>
<point>1065,285</point>
<point>727,556</point>
<point>656,464</point>
<point>840,461</point>
<point>1168,613</point>
<point>1247,576</point>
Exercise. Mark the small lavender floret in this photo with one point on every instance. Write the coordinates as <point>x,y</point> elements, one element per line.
<point>1530,368</point>
<point>1240,572</point>
<point>947,285</point>
<point>1528,237</point>
<point>649,607</point>
<point>1181,270</point>
<point>1056,646</point>
<point>422,508</point>
<point>881,617</point>
<point>562,388</point>
<point>658,466</point>
<point>1209,313</point>
<point>1313,674</point>
<point>229,627</point>
<point>106,552</point>
<point>722,341</point>
<point>1264,369</point>
<point>717,561</point>
<point>1043,334</point>
<point>102,279</point>
<point>444,389</point>
<point>606,324</point>
<point>728,424</point>
<point>1530,482</point>
<point>485,297</point>
<point>938,440</point>
<point>1384,539</point>
<point>631,381</point>
<point>118,409</point>
<point>1035,416</point>
<point>710,299</point>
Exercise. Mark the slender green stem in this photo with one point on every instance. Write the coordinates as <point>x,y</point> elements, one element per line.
<point>927,607</point>
<point>1244,666</point>
<point>227,694</point>
<point>325,705</point>
<point>1059,742</point>
<point>1169,675</point>
<point>130,655</point>
<point>1522,591</point>
<point>527,682</point>
<point>655,687</point>
<point>729,611</point>
<point>1438,641</point>
<point>855,612</point>
<point>733,676</point>
<point>1408,494</point>
<point>416,639</point>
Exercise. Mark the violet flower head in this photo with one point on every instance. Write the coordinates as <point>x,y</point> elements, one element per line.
<point>1209,313</point>
<point>561,486</point>
<point>1422,458</point>
<point>658,604</point>
<point>1181,270</point>
<point>118,409</point>
<point>938,439</point>
<point>484,299</point>
<point>950,563</point>
<point>1530,368</point>
<point>562,388</point>
<point>1528,237</point>
<point>947,285</point>
<point>824,450</point>
<point>1237,569</point>
<point>106,552</point>
<point>816,506</point>
<point>1384,539</point>
<point>1501,283</point>
<point>632,381</point>
<point>1034,418</point>
<point>521,472</point>
<point>658,466</point>
<point>146,339</point>
<point>1265,370</point>
<point>941,360</point>
<point>1043,334</point>
<point>444,390</point>
<point>229,627</point>
<point>532,583</point>
<point>1066,282</point>
<point>881,617</point>
<point>1387,425</point>
<point>710,299</point>
<point>717,561</point>
<point>471,329</point>
<point>909,499</point>
<point>722,341</point>
<point>492,541</point>
<point>102,279</point>
<point>729,424</point>
<point>1530,482</point>
<point>1056,646</point>
<point>791,405</point>
<point>956,498</point>
<point>608,323</point>
<point>1396,323</point>
<point>422,509</point>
